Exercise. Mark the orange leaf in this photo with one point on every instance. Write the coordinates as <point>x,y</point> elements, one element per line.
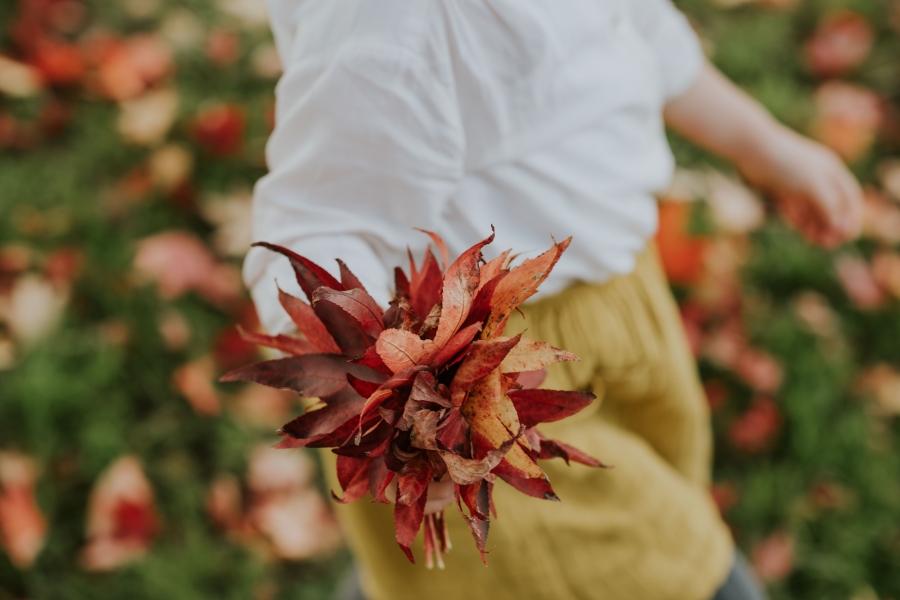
<point>460,285</point>
<point>531,355</point>
<point>402,349</point>
<point>520,285</point>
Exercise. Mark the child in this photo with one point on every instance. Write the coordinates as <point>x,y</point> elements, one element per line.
<point>541,117</point>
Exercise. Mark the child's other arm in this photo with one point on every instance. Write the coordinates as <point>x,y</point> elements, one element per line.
<point>815,190</point>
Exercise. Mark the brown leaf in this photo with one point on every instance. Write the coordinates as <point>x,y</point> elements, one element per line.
<point>467,471</point>
<point>310,276</point>
<point>304,317</point>
<point>556,449</point>
<point>536,487</point>
<point>531,355</point>
<point>423,390</point>
<point>350,334</point>
<point>485,356</point>
<point>358,304</point>
<point>546,406</point>
<point>460,285</point>
<point>517,287</point>
<point>319,420</point>
<point>287,344</point>
<point>312,375</point>
<point>424,429</point>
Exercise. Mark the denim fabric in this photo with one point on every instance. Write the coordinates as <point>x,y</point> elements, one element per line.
<point>741,584</point>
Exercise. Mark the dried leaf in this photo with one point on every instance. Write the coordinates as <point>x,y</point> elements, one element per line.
<point>530,355</point>
<point>310,276</point>
<point>351,336</point>
<point>485,356</point>
<point>519,285</point>
<point>402,349</point>
<point>353,475</point>
<point>460,284</point>
<point>312,375</point>
<point>546,406</point>
<point>304,317</point>
<point>461,340</point>
<point>338,409</point>
<point>287,344</point>
<point>556,449</point>
<point>358,304</point>
<point>439,242</point>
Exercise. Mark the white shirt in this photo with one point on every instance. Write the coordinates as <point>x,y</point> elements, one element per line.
<point>541,117</point>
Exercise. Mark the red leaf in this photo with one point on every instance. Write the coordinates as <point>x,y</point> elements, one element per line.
<point>413,481</point>
<point>362,387</point>
<point>304,317</point>
<point>350,335</point>
<point>546,406</point>
<point>519,285</point>
<point>460,286</point>
<point>439,242</point>
<point>294,346</point>
<point>475,498</point>
<point>535,487</point>
<point>401,283</point>
<point>557,449</point>
<point>312,375</point>
<point>425,287</point>
<point>453,434</point>
<point>357,303</point>
<point>481,306</point>
<point>348,279</point>
<point>338,409</point>
<point>486,355</point>
<point>476,501</point>
<point>408,521</point>
<point>373,361</point>
<point>457,344</point>
<point>353,475</point>
<point>379,479</point>
<point>310,276</point>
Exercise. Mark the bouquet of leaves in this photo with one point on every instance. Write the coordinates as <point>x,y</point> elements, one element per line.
<point>425,390</point>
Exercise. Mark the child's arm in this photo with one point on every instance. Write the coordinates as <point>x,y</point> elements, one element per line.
<point>815,190</point>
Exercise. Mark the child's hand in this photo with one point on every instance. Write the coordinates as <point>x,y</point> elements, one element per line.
<point>440,494</point>
<point>815,191</point>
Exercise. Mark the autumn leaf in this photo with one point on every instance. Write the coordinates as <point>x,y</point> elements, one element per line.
<point>460,285</point>
<point>518,286</point>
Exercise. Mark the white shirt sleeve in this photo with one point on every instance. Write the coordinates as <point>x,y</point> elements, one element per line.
<point>367,144</point>
<point>673,40</point>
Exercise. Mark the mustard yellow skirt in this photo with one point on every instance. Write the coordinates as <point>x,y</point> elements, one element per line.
<point>644,530</point>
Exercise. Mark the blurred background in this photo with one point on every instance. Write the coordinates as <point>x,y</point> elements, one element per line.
<point>131,133</point>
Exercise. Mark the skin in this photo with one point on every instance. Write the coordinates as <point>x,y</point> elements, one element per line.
<point>814,190</point>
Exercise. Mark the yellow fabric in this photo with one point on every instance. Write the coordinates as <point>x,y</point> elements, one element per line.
<point>644,530</point>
